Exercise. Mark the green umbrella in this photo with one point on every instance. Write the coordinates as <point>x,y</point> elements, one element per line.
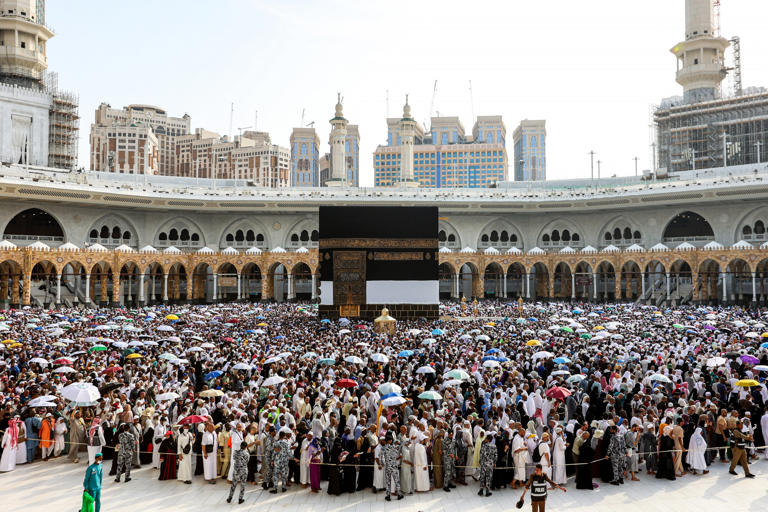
<point>97,348</point>
<point>646,334</point>
<point>678,326</point>
<point>566,329</point>
<point>327,360</point>
<point>586,336</point>
<point>430,395</point>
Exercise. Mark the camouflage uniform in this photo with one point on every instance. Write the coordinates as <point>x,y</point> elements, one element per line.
<point>125,455</point>
<point>449,463</point>
<point>488,454</point>
<point>240,472</point>
<point>617,451</point>
<point>280,458</point>
<point>266,462</point>
<point>392,453</point>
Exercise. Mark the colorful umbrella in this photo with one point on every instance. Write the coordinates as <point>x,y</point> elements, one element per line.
<point>430,395</point>
<point>747,383</point>
<point>346,383</point>
<point>558,393</point>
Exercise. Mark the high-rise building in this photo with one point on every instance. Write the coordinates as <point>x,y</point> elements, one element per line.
<point>708,126</point>
<point>305,154</point>
<point>444,157</point>
<point>324,166</point>
<point>352,155</point>
<point>39,124</point>
<point>530,143</point>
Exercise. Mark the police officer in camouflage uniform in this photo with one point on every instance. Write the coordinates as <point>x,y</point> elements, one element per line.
<point>280,456</point>
<point>392,454</point>
<point>240,471</point>
<point>488,454</point>
<point>268,453</point>
<point>617,451</point>
<point>449,462</point>
<point>125,449</point>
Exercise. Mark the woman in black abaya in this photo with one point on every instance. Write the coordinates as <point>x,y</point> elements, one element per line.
<point>666,463</point>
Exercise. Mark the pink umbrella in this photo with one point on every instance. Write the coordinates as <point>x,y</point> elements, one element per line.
<point>558,393</point>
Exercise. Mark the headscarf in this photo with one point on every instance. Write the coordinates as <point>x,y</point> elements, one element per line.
<point>93,429</point>
<point>13,430</point>
<point>698,441</point>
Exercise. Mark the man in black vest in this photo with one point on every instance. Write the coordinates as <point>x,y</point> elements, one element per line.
<point>538,485</point>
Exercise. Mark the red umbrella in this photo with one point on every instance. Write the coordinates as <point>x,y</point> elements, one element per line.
<point>63,360</point>
<point>346,383</point>
<point>193,419</point>
<point>112,369</point>
<point>558,393</point>
<point>228,339</point>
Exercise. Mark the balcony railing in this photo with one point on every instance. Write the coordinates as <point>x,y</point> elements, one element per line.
<point>29,239</point>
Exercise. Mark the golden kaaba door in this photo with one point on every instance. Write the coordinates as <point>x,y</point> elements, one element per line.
<point>348,277</point>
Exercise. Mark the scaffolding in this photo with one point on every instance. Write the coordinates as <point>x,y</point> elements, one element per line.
<point>64,125</point>
<point>719,133</point>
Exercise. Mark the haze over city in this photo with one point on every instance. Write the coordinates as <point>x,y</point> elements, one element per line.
<point>593,70</point>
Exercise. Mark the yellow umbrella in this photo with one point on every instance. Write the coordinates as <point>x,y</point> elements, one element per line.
<point>747,383</point>
<point>6,342</point>
<point>533,343</point>
<point>764,335</point>
<point>262,324</point>
<point>598,328</point>
<point>490,324</point>
<point>133,356</point>
<point>15,345</point>
<point>171,317</point>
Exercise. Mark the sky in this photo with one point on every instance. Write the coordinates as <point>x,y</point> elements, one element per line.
<point>592,69</point>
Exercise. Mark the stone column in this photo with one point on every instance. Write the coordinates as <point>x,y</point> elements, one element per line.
<point>754,286</point>
<point>4,288</point>
<point>573,286</point>
<point>455,289</point>
<point>15,289</point>
<point>504,285</point>
<point>129,297</point>
<point>26,290</point>
<point>165,287</point>
<point>694,288</point>
<point>642,284</point>
<point>725,287</point>
<point>478,286</point>
<point>116,288</point>
<point>314,287</point>
<point>268,287</point>
<point>594,286</point>
<point>668,297</point>
<point>551,287</point>
<point>215,287</point>
<point>58,289</point>
<point>87,289</point>
<point>239,293</point>
<point>103,292</point>
<point>190,295</point>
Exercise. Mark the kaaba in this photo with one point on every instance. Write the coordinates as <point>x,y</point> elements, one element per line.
<point>373,257</point>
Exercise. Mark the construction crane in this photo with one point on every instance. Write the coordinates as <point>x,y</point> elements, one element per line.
<point>240,129</point>
<point>717,18</point>
<point>432,105</point>
<point>737,86</point>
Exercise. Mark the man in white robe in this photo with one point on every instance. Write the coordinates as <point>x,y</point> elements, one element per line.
<point>184,472</point>
<point>520,456</point>
<point>159,434</point>
<point>210,446</point>
<point>237,437</point>
<point>406,468</point>
<point>304,461</point>
<point>420,469</point>
<point>10,445</point>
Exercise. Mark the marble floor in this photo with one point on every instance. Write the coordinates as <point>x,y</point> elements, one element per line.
<point>57,486</point>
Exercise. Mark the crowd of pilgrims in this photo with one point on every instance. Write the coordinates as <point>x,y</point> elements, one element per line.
<point>600,393</point>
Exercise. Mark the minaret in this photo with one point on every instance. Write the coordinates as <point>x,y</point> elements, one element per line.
<point>407,132</point>
<point>338,153</point>
<point>24,39</point>
<point>700,58</point>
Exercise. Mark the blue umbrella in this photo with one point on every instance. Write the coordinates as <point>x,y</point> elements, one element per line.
<point>325,321</point>
<point>212,375</point>
<point>438,332</point>
<point>261,317</point>
<point>532,319</point>
<point>249,331</point>
<point>405,353</point>
<point>577,311</point>
<point>562,360</point>
<point>280,337</point>
<point>492,351</point>
<point>764,345</point>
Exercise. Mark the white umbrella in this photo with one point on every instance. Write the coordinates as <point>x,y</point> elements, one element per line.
<point>380,358</point>
<point>483,337</point>
<point>39,360</point>
<point>561,372</point>
<point>64,369</point>
<point>242,366</point>
<point>273,381</point>
<point>425,369</point>
<point>344,331</point>
<point>544,354</point>
<point>178,361</point>
<point>167,396</point>
<point>414,332</point>
<point>716,361</point>
<point>752,334</point>
<point>165,328</point>
<point>273,360</point>
<point>393,401</point>
<point>429,341</point>
<point>389,387</point>
<point>491,364</point>
<point>660,378</point>
<point>454,382</point>
<point>134,343</point>
<point>207,345</point>
<point>195,349</point>
<point>82,393</point>
<point>354,360</point>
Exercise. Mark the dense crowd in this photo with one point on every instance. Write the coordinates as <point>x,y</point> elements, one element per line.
<point>271,395</point>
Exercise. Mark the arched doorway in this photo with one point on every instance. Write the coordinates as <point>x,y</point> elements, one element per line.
<point>300,282</point>
<point>43,284</point>
<point>129,284</point>
<point>34,225</point>
<point>251,282</point>
<point>277,283</point>
<point>448,285</point>
<point>516,280</point>
<point>202,284</point>
<point>493,281</point>
<point>680,286</point>
<point>151,291</point>
<point>583,280</point>
<point>470,281</point>
<point>540,277</point>
<point>739,281</point>
<point>654,279</point>
<point>100,284</point>
<point>606,281</point>
<point>10,284</point>
<point>563,281</point>
<point>709,282</point>
<point>631,277</point>
<point>227,280</point>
